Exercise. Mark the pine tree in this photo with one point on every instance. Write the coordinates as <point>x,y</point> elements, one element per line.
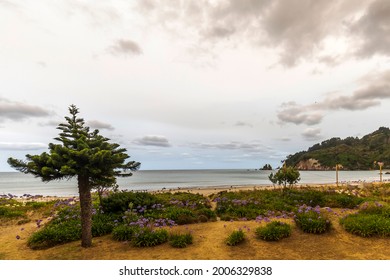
<point>83,154</point>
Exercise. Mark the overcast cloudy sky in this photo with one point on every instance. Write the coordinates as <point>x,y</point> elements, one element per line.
<point>194,84</point>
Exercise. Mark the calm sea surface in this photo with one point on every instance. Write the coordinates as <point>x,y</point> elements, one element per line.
<point>18,184</point>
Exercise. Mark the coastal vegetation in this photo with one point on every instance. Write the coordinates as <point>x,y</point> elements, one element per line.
<point>352,153</point>
<point>83,154</point>
<point>152,219</point>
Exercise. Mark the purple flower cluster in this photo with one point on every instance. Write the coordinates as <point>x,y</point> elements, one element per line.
<point>147,223</point>
<point>180,203</point>
<point>274,215</point>
<point>305,209</point>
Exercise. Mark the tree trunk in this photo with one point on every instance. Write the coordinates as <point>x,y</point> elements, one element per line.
<point>86,211</point>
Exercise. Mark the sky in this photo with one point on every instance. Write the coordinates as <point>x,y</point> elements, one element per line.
<point>194,84</point>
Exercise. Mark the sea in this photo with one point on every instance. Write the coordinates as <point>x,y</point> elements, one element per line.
<point>19,184</point>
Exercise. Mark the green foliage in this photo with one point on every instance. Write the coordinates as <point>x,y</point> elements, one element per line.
<point>273,231</point>
<point>235,238</point>
<point>373,219</point>
<point>66,227</point>
<point>7,212</point>
<point>352,153</point>
<point>287,175</point>
<point>102,224</point>
<point>311,220</point>
<point>122,201</point>
<point>180,240</point>
<point>87,155</point>
<point>147,237</point>
<point>180,215</point>
<point>124,232</point>
<point>55,234</point>
<point>366,225</point>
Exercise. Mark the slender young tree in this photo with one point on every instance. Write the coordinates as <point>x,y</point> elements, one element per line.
<point>83,154</point>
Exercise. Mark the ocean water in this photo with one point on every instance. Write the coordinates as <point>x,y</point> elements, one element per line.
<point>18,183</point>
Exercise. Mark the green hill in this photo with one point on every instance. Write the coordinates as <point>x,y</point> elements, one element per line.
<point>352,153</point>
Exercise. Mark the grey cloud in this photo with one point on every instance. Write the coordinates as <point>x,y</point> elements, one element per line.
<point>251,147</point>
<point>312,134</point>
<point>19,111</point>
<point>125,47</point>
<point>241,123</point>
<point>374,89</point>
<point>100,125</point>
<point>299,114</point>
<point>152,140</point>
<point>42,64</point>
<point>219,32</point>
<point>20,146</point>
<point>297,29</point>
<point>372,30</point>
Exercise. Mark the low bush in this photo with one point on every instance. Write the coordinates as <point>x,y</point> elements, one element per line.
<point>311,220</point>
<point>121,201</point>
<point>235,238</point>
<point>147,237</point>
<point>102,224</point>
<point>124,232</point>
<point>180,215</point>
<point>55,234</point>
<point>273,231</point>
<point>366,225</point>
<point>180,240</point>
<point>373,219</point>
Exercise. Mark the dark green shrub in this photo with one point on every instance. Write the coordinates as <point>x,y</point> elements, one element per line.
<point>210,214</point>
<point>147,237</point>
<point>54,234</point>
<point>180,215</point>
<point>180,240</point>
<point>373,219</point>
<point>339,200</point>
<point>366,225</point>
<point>102,224</point>
<point>120,201</point>
<point>274,231</point>
<point>124,232</point>
<point>311,220</point>
<point>235,238</point>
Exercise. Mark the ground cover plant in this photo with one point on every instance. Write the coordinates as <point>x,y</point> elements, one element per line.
<point>138,217</point>
<point>372,219</point>
<point>252,204</point>
<point>235,237</point>
<point>180,240</point>
<point>312,220</point>
<point>273,231</point>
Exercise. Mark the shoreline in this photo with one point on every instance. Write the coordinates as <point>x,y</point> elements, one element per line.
<point>204,190</point>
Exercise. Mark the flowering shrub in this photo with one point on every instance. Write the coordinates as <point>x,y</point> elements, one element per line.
<point>311,220</point>
<point>373,219</point>
<point>274,231</point>
<point>124,232</point>
<point>147,237</point>
<point>235,238</point>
